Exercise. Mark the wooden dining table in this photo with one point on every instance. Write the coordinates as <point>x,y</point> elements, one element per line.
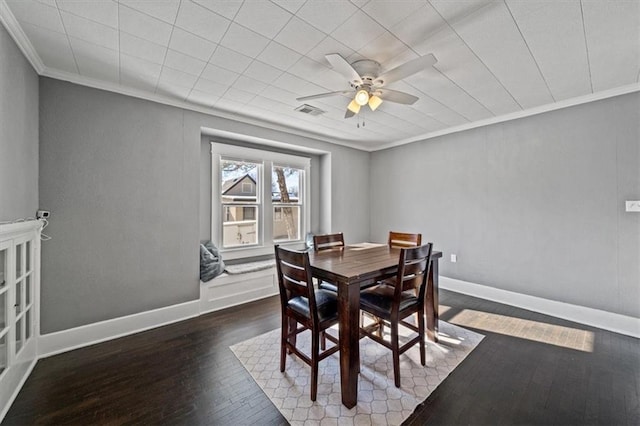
<point>350,268</point>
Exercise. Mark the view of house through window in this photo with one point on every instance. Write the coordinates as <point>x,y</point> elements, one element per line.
<point>261,199</point>
<point>240,202</point>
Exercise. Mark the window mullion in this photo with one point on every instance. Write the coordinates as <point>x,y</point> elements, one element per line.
<point>268,204</point>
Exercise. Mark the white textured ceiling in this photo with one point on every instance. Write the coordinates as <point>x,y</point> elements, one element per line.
<point>253,58</point>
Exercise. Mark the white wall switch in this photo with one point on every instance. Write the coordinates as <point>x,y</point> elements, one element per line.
<point>632,206</point>
<point>454,258</point>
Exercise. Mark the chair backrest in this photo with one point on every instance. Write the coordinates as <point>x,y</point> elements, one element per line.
<point>328,241</point>
<point>402,239</point>
<point>413,270</point>
<point>295,278</point>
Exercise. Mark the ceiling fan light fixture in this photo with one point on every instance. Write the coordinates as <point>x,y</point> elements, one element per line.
<point>362,97</point>
<point>374,102</point>
<point>354,107</point>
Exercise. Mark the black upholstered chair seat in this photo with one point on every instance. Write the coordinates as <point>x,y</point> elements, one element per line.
<point>325,285</point>
<point>326,303</point>
<point>379,300</point>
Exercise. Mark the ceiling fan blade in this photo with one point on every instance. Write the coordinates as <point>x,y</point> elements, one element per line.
<point>396,96</point>
<point>324,95</point>
<point>406,69</point>
<point>340,65</point>
<point>348,113</point>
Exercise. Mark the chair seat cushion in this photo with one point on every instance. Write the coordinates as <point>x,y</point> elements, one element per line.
<point>325,285</point>
<point>379,300</point>
<point>408,285</point>
<point>326,303</point>
<point>334,288</point>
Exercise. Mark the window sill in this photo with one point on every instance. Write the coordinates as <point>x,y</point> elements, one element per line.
<point>254,251</point>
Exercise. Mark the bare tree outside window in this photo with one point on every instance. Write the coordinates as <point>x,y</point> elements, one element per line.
<point>286,182</point>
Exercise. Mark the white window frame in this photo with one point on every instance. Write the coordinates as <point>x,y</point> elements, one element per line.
<point>265,211</point>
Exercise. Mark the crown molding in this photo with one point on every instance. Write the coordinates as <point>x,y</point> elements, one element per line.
<point>152,97</point>
<point>15,31</point>
<point>579,100</point>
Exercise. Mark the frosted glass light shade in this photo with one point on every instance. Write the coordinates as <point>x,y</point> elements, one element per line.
<point>353,107</point>
<point>374,102</point>
<point>362,97</point>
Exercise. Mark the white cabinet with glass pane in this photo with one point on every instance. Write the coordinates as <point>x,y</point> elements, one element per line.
<point>19,287</point>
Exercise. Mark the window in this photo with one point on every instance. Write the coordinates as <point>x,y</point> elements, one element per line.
<point>259,198</point>
<point>285,197</point>
<point>240,203</point>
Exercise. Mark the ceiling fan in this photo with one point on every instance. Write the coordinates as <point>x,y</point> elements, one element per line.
<point>369,84</point>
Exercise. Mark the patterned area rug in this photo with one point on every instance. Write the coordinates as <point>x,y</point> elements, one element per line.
<point>379,401</point>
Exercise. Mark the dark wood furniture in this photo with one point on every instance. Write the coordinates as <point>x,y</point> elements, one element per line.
<point>350,268</point>
<point>403,239</point>
<point>314,310</point>
<point>328,241</point>
<point>392,304</point>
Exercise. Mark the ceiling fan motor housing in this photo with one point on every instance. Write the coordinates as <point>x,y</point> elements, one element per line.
<point>368,70</point>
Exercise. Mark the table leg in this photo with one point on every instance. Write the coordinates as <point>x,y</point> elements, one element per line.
<point>431,301</point>
<point>349,312</point>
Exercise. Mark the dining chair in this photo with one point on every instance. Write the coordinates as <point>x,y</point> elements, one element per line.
<point>314,310</point>
<point>403,239</point>
<point>391,304</point>
<point>328,242</point>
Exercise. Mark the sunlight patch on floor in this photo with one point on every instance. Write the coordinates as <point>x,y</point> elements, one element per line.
<point>567,337</point>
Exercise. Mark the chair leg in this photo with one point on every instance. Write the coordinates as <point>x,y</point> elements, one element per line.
<point>293,336</point>
<point>395,349</point>
<point>323,341</point>
<point>380,326</point>
<point>283,342</point>
<point>315,352</point>
<point>421,334</point>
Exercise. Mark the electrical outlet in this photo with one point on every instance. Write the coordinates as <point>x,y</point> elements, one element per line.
<point>454,258</point>
<point>43,214</point>
<point>632,206</point>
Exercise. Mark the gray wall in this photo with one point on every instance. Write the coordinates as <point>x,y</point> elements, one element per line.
<point>534,206</point>
<point>122,179</point>
<point>119,179</point>
<point>18,133</point>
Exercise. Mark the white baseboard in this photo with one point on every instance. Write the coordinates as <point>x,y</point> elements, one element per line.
<point>234,300</point>
<point>232,290</point>
<point>90,334</point>
<point>78,337</point>
<point>74,338</point>
<point>622,324</point>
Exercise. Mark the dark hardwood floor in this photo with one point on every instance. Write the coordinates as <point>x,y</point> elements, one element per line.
<point>529,369</point>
